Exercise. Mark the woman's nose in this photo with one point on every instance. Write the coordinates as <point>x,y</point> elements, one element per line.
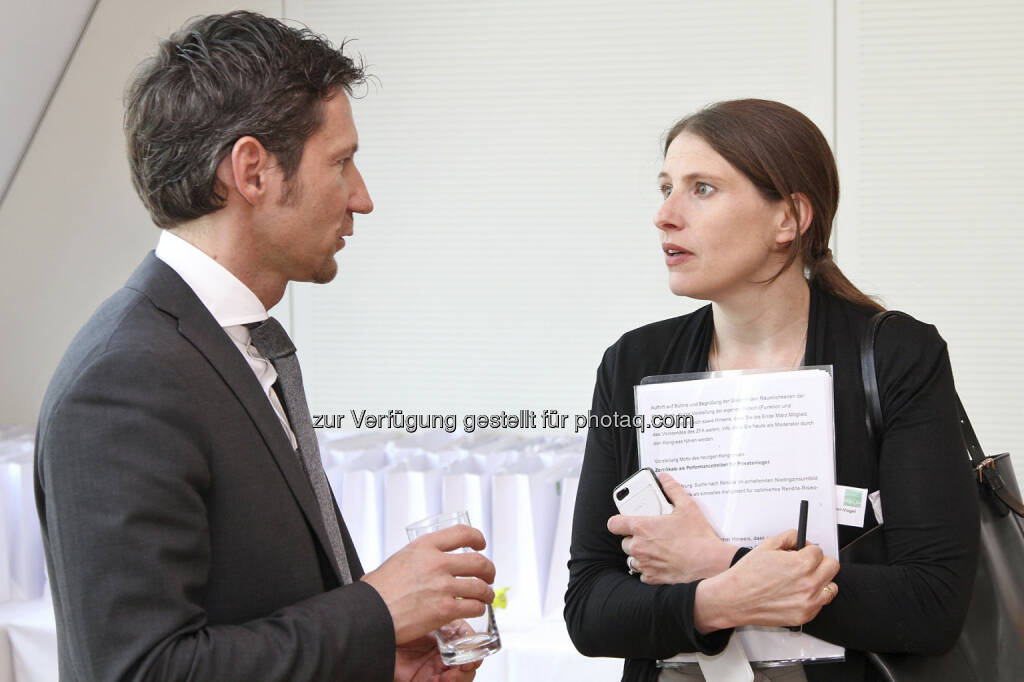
<point>667,217</point>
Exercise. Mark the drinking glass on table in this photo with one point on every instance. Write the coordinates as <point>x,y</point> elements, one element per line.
<point>461,641</point>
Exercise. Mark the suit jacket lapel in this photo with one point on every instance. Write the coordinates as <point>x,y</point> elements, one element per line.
<point>168,292</point>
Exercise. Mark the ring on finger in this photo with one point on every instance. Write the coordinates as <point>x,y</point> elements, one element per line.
<point>631,565</point>
<point>831,589</point>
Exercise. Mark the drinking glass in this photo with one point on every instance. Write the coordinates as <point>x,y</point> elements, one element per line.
<point>458,643</point>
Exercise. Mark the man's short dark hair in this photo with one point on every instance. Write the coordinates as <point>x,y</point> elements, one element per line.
<point>220,78</point>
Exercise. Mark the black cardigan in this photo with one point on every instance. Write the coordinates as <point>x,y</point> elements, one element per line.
<point>915,604</point>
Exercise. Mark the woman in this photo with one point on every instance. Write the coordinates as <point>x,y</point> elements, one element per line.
<point>750,190</point>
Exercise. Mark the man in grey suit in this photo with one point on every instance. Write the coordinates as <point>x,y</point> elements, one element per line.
<point>189,530</point>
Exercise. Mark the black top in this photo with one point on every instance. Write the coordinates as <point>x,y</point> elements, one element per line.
<point>915,604</point>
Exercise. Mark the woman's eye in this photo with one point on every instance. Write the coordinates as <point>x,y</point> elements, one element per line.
<point>665,190</point>
<point>703,189</point>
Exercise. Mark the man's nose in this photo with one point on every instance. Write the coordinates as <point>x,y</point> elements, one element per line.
<point>360,201</point>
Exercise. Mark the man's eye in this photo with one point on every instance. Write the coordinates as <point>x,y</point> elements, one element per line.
<point>703,189</point>
<point>665,190</point>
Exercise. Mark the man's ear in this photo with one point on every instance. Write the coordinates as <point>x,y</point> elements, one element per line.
<point>791,222</point>
<point>247,169</point>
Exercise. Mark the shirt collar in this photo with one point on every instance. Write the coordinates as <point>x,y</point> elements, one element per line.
<point>228,300</point>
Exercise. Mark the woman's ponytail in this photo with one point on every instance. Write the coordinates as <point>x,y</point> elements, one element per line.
<point>824,272</point>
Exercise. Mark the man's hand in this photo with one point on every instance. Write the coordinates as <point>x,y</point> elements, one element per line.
<point>769,586</point>
<point>420,661</point>
<point>424,588</point>
<point>674,548</point>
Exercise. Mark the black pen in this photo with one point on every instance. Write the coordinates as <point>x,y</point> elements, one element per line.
<point>801,527</point>
<point>801,540</point>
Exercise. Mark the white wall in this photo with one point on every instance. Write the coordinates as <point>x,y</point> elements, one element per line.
<point>929,101</point>
<point>511,148</point>
<point>511,151</point>
<point>71,226</point>
<point>38,39</point>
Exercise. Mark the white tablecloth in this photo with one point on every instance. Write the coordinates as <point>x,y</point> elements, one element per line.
<point>543,651</point>
<point>29,636</point>
<point>539,651</point>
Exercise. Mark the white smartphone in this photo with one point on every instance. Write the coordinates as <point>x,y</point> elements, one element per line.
<point>641,495</point>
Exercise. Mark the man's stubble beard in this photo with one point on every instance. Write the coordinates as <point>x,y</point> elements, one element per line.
<point>326,273</point>
<point>290,197</point>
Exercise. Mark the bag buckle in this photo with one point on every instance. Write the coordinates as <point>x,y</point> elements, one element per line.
<point>988,463</point>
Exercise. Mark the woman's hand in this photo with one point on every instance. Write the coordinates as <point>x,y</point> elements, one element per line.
<point>675,548</point>
<point>771,585</point>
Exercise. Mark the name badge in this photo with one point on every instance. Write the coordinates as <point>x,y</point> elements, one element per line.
<point>850,505</point>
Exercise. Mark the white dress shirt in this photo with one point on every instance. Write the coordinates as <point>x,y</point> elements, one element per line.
<point>230,302</point>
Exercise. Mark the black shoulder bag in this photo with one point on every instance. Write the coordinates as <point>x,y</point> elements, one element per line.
<point>991,644</point>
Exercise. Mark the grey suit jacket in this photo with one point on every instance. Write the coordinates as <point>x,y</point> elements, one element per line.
<point>182,536</point>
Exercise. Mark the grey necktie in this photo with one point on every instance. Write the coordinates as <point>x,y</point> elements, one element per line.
<point>272,341</point>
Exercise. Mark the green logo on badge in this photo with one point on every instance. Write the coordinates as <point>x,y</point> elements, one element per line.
<point>853,498</point>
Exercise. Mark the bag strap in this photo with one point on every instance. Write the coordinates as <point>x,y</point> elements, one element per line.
<point>989,476</point>
<point>873,402</point>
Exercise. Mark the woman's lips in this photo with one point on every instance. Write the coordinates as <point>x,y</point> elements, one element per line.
<point>674,254</point>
